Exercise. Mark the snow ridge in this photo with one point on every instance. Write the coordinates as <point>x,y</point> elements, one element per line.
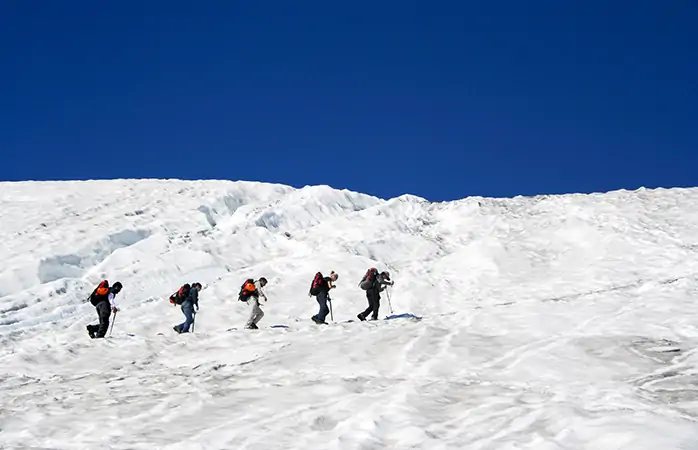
<point>533,322</point>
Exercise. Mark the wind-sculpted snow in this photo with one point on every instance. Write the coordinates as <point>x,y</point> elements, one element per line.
<point>550,322</point>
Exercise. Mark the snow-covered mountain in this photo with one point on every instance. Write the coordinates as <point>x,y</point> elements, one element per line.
<point>550,322</point>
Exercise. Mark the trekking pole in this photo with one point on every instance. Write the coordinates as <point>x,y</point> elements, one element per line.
<point>112,323</point>
<point>329,300</point>
<point>193,322</point>
<point>390,305</point>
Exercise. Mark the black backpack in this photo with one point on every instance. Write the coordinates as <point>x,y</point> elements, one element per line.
<point>178,297</point>
<point>369,280</point>
<point>100,294</point>
<point>247,289</point>
<point>317,284</point>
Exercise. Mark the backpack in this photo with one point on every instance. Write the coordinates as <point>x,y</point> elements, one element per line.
<point>317,284</point>
<point>247,289</point>
<point>369,279</point>
<point>178,297</point>
<point>100,294</point>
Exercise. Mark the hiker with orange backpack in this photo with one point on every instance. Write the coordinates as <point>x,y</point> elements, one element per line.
<point>188,297</point>
<point>373,283</point>
<point>102,298</point>
<point>250,292</point>
<point>320,289</point>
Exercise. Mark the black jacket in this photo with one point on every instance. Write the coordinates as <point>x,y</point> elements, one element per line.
<point>379,285</point>
<point>325,286</point>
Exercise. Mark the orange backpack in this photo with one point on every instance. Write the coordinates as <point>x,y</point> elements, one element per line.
<point>100,293</point>
<point>248,289</point>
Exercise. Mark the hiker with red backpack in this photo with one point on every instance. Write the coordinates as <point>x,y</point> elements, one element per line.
<point>188,297</point>
<point>320,289</point>
<point>102,298</point>
<point>250,292</point>
<point>373,283</point>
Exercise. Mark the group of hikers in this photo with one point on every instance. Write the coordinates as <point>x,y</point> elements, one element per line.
<point>373,282</point>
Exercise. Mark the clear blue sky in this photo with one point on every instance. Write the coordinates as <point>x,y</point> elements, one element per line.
<point>437,99</point>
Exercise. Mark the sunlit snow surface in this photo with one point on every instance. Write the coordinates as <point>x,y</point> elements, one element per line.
<point>554,322</point>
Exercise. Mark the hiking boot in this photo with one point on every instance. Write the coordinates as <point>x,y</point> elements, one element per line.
<point>252,326</point>
<point>176,328</point>
<point>361,317</point>
<point>90,332</point>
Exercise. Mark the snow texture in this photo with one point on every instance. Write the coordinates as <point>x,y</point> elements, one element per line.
<point>549,322</point>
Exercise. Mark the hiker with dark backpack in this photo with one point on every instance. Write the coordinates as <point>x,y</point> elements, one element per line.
<point>250,292</point>
<point>320,289</point>
<point>188,297</point>
<point>373,283</point>
<point>102,298</point>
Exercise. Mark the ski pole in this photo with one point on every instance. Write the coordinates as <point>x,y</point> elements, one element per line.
<point>390,305</point>
<point>329,300</point>
<point>112,323</point>
<point>193,322</point>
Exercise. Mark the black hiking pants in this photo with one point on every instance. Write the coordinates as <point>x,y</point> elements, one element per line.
<point>324,309</point>
<point>103,311</point>
<point>374,302</point>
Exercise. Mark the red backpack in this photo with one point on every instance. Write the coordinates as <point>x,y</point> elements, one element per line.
<point>316,286</point>
<point>369,279</point>
<point>178,297</point>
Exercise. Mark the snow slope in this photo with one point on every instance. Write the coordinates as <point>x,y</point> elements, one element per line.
<point>552,322</point>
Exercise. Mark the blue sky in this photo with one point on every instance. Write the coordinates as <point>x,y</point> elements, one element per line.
<point>437,99</point>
